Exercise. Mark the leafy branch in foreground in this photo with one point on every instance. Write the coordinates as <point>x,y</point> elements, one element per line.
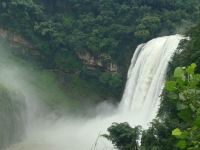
<point>185,90</point>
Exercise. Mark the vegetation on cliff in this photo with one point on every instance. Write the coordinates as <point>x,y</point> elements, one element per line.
<point>109,30</point>
<point>189,50</point>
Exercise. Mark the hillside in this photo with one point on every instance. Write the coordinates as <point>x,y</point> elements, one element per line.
<point>93,40</point>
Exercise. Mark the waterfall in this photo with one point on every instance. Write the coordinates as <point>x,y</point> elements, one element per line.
<point>146,77</point>
<point>139,104</point>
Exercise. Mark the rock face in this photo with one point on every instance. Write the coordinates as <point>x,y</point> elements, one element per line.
<point>103,61</point>
<point>15,39</point>
<point>19,44</point>
<point>11,117</point>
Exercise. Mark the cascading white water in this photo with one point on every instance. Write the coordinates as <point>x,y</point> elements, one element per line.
<point>139,105</point>
<point>146,76</point>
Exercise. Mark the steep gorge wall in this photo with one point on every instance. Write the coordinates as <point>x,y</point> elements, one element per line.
<point>98,72</point>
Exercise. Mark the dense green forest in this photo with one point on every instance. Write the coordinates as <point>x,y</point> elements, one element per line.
<point>61,31</point>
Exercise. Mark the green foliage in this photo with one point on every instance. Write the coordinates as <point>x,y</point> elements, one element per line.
<point>189,50</point>
<point>123,136</point>
<point>158,135</point>
<point>67,62</point>
<point>176,132</point>
<point>112,80</point>
<point>186,83</point>
<point>20,15</point>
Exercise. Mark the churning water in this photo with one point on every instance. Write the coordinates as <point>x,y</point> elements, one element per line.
<point>139,104</point>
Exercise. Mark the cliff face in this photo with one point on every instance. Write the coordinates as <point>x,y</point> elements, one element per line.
<point>103,62</point>
<point>14,39</point>
<point>100,68</point>
<point>18,43</point>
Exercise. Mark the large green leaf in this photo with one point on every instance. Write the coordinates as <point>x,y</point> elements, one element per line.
<point>176,132</point>
<point>170,86</point>
<point>179,73</point>
<point>191,68</point>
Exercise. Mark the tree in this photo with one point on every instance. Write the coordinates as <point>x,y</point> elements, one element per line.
<point>123,136</point>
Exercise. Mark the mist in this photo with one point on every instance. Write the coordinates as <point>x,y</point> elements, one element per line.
<point>48,120</point>
<point>49,124</point>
